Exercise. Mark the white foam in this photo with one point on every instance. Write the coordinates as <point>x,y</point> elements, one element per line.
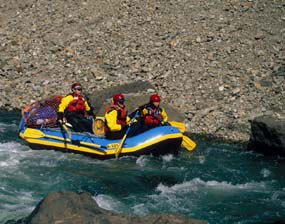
<point>9,163</point>
<point>174,169</point>
<point>108,203</point>
<point>265,172</point>
<point>167,158</point>
<point>49,158</point>
<point>10,146</point>
<point>4,126</point>
<point>140,209</point>
<point>11,154</point>
<point>202,159</point>
<point>16,214</point>
<point>141,161</point>
<point>197,183</point>
<point>184,187</point>
<point>27,197</point>
<point>15,198</point>
<point>11,157</point>
<point>48,163</point>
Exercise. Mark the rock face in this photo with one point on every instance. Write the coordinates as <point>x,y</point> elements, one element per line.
<point>219,62</point>
<point>73,208</point>
<point>268,135</point>
<point>136,94</point>
<point>100,98</point>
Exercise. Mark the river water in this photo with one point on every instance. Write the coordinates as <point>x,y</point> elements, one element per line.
<point>218,182</point>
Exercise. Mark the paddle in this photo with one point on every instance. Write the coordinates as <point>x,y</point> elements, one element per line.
<point>179,125</point>
<point>65,128</point>
<point>34,133</point>
<point>119,149</point>
<point>186,141</point>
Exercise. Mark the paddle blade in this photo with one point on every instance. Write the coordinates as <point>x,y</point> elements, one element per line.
<point>179,125</point>
<point>33,133</point>
<point>188,143</point>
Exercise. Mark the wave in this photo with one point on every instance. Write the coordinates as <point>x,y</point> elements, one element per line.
<point>197,183</point>
<point>5,126</point>
<point>265,172</point>
<point>11,153</point>
<point>11,146</point>
<point>279,197</point>
<point>16,205</point>
<point>167,158</point>
<point>108,203</point>
<point>111,204</point>
<point>142,161</point>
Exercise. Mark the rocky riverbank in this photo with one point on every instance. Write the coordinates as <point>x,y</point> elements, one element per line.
<point>221,63</point>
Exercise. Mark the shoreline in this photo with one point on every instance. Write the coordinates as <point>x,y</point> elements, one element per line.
<point>196,137</point>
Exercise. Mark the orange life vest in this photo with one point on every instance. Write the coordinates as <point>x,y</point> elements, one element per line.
<point>77,104</point>
<point>122,113</point>
<point>153,116</point>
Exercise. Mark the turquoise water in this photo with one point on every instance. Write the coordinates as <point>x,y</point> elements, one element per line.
<point>218,182</point>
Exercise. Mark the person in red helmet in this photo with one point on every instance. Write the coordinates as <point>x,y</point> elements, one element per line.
<point>116,117</point>
<point>75,108</point>
<point>151,114</point>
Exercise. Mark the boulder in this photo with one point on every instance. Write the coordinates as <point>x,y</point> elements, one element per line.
<point>267,135</point>
<point>136,93</point>
<point>99,98</point>
<point>74,208</point>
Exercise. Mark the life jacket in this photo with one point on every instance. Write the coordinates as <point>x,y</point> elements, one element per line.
<point>153,117</point>
<point>122,113</point>
<point>77,104</point>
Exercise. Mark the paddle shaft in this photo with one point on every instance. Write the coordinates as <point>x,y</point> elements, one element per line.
<point>119,149</point>
<point>34,133</point>
<point>66,129</point>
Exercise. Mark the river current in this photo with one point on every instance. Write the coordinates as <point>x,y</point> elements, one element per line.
<point>218,182</point>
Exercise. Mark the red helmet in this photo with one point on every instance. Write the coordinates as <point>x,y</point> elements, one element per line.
<point>154,98</point>
<point>118,97</point>
<point>76,86</point>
